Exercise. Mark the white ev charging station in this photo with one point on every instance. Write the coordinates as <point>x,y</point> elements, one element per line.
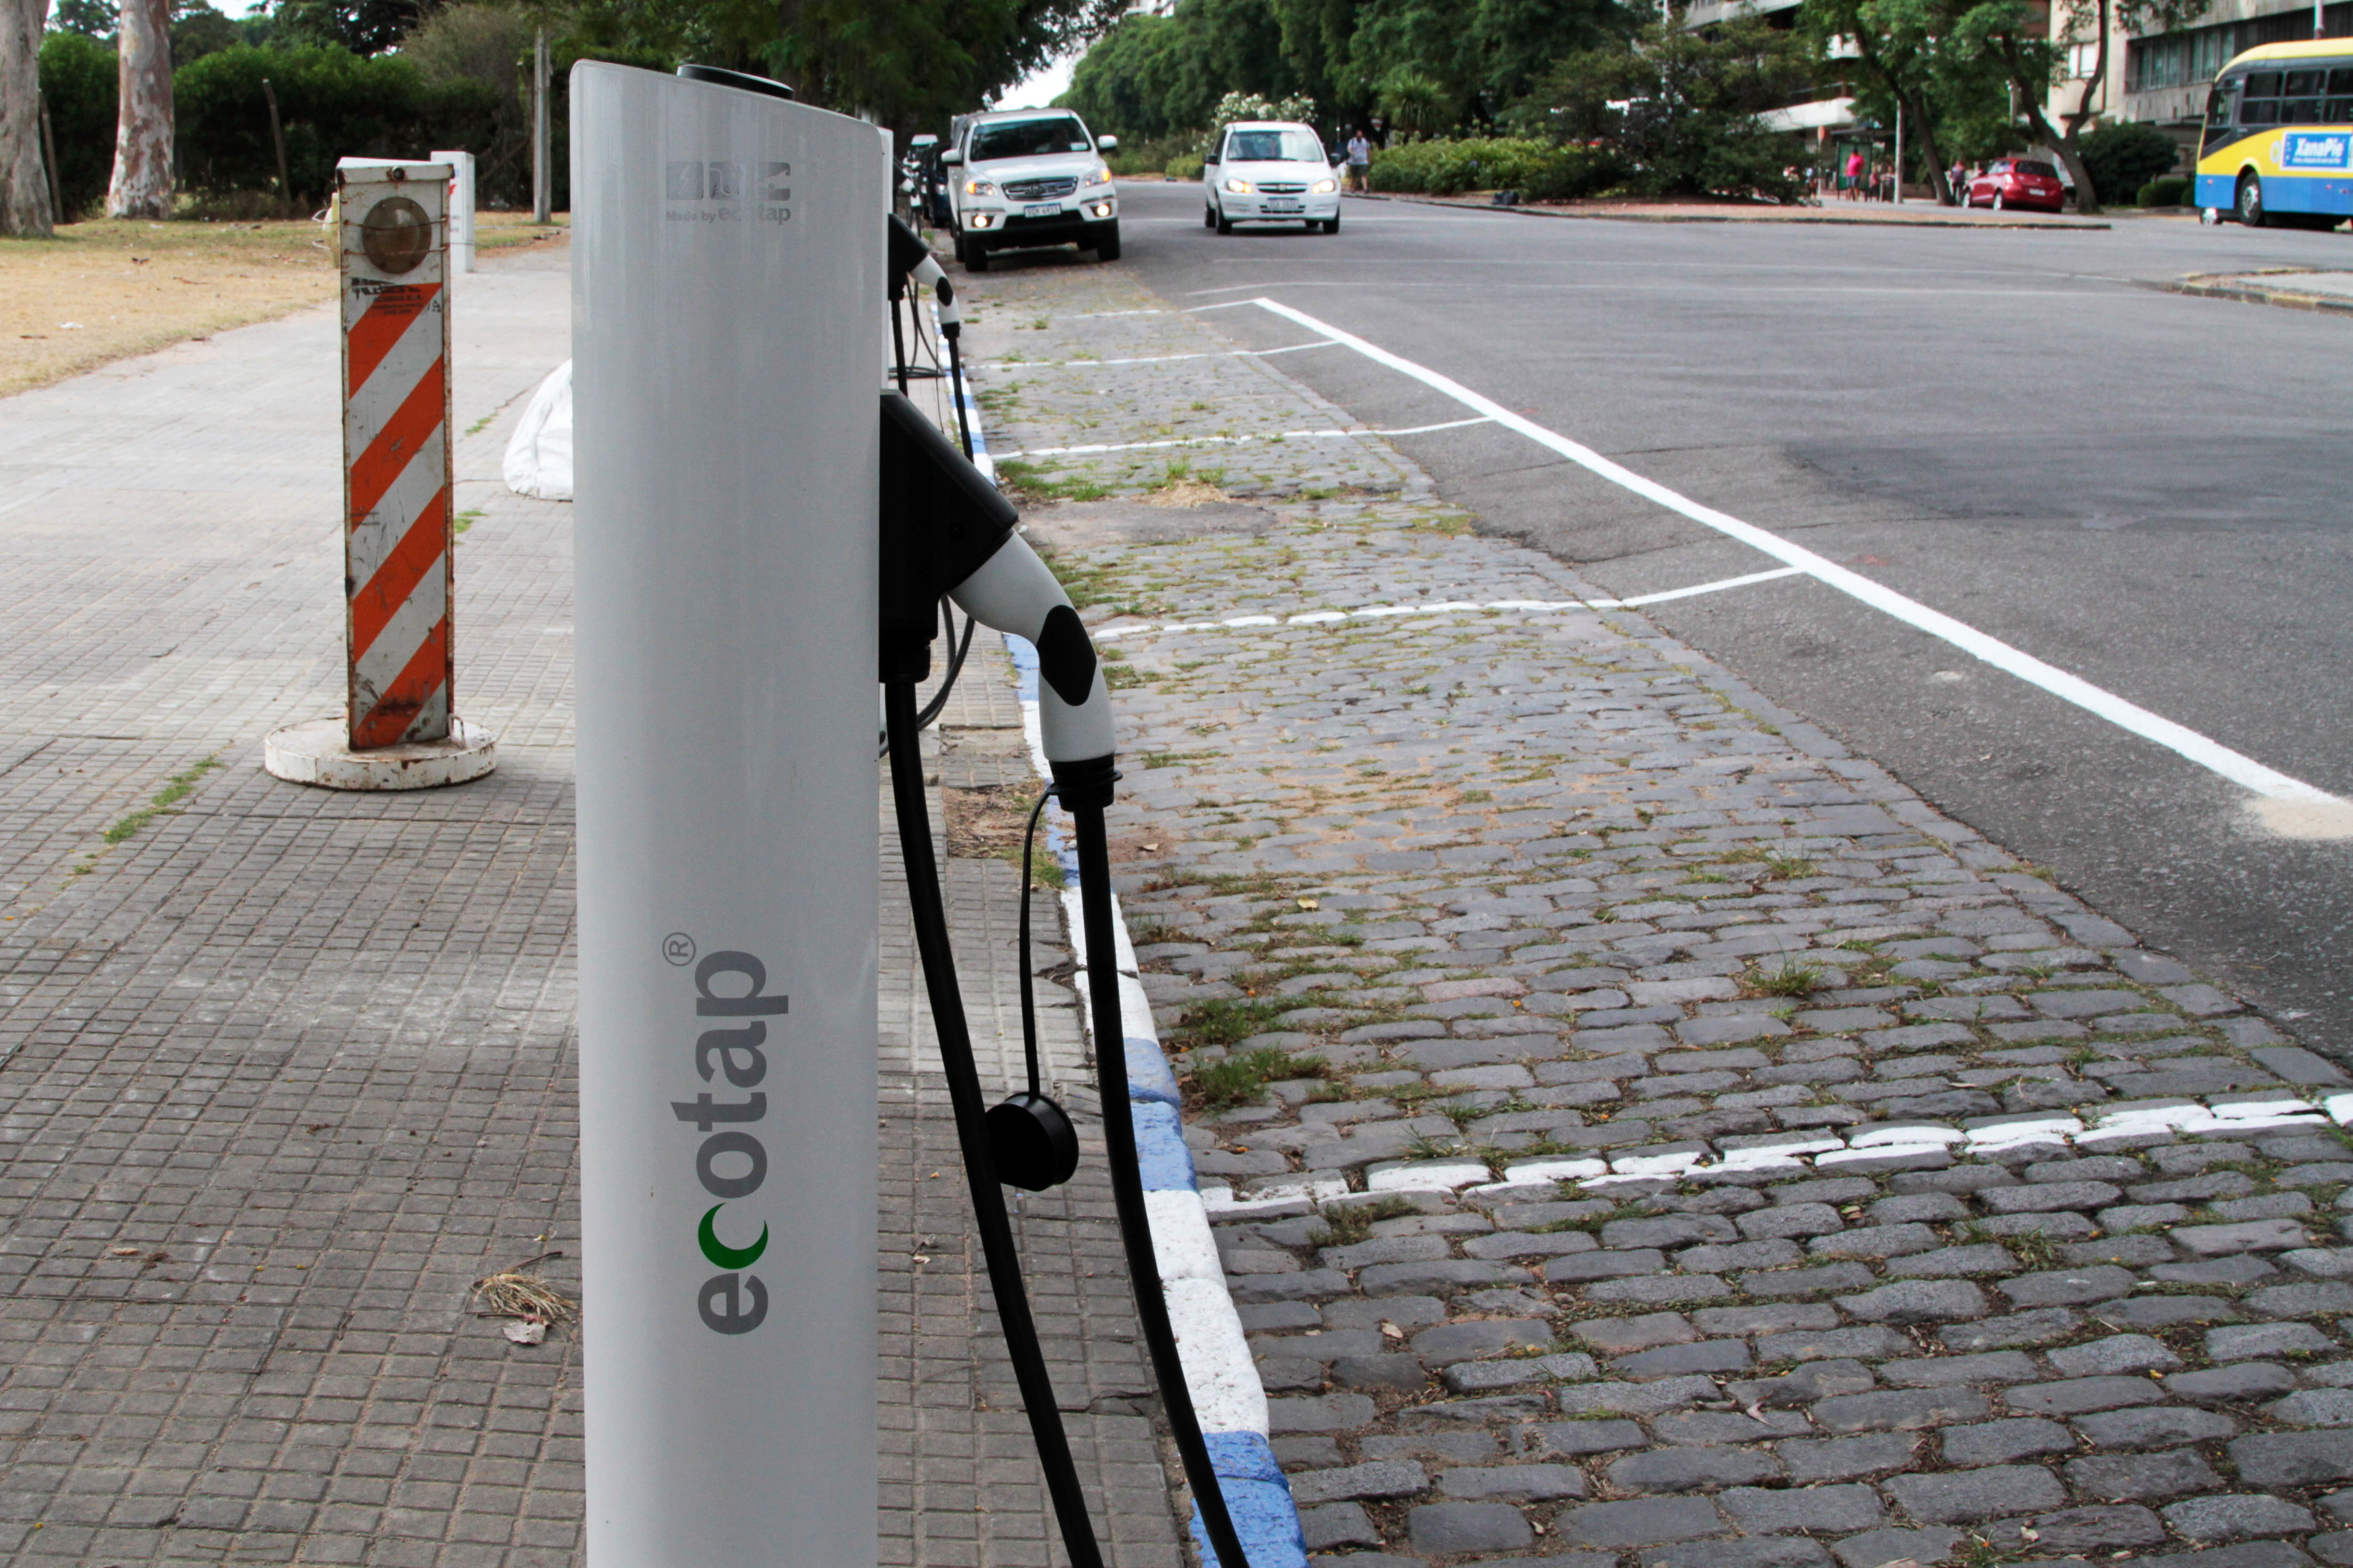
<point>727,275</point>
<point>761,531</point>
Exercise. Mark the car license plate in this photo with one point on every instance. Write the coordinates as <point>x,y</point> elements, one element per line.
<point>1043,209</point>
<point>1281,205</point>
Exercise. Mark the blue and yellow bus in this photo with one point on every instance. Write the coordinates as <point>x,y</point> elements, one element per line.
<point>2278,141</point>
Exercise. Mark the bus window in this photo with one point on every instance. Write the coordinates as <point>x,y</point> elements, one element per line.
<point>2340,111</point>
<point>2303,84</point>
<point>2218,104</point>
<point>2259,112</point>
<point>2340,82</point>
<point>2300,111</point>
<point>2263,84</point>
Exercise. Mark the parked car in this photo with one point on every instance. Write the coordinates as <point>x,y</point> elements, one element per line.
<point>1030,177</point>
<point>1270,171</point>
<point>2017,183</point>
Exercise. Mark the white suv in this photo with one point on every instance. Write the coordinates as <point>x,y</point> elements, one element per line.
<point>1270,171</point>
<point>1028,177</point>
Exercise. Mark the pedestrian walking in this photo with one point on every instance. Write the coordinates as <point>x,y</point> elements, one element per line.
<point>1852,183</point>
<point>1360,161</point>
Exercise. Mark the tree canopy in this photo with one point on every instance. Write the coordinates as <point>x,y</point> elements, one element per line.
<point>1431,63</point>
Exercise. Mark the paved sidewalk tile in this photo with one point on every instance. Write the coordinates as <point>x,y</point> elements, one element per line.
<point>284,1071</point>
<point>1640,1131</point>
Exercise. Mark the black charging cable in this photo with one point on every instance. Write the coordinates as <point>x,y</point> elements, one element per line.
<point>951,520</point>
<point>956,383</point>
<point>1086,809</point>
<point>898,342</point>
<point>974,1128</point>
<point>1029,983</point>
<point>960,647</point>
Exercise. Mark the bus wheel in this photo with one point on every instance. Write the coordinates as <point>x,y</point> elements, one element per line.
<point>2210,217</point>
<point>2251,201</point>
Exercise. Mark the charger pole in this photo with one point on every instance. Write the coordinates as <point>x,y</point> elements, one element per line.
<point>461,208</point>
<point>727,275</point>
<point>543,208</point>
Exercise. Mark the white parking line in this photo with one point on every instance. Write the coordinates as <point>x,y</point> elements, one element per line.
<point>1154,359</point>
<point>1433,607</point>
<point>1715,587</point>
<point>1235,440</point>
<point>2240,769</point>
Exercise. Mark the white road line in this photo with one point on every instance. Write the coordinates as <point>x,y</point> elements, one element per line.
<point>1433,607</point>
<point>2212,755</point>
<point>1237,440</point>
<point>1923,291</point>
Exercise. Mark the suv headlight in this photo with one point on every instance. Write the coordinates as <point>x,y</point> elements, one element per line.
<point>1098,175</point>
<point>1324,187</point>
<point>979,188</point>
<point>1240,187</point>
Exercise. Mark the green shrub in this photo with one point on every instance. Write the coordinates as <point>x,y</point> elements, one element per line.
<point>78,83</point>
<point>1149,157</point>
<point>2167,192</point>
<point>333,103</point>
<point>483,42</point>
<point>336,104</point>
<point>1183,166</point>
<point>1538,171</point>
<point>2121,158</point>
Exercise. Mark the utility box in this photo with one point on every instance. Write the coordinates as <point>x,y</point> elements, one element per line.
<point>728,334</point>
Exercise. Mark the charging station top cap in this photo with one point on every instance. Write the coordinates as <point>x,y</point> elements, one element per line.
<point>719,76</point>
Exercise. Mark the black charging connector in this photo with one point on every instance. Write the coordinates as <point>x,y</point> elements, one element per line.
<point>941,521</point>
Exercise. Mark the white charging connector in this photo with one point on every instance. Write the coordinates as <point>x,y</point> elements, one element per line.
<point>1016,592</point>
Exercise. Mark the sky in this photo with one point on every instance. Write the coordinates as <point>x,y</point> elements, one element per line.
<point>1042,86</point>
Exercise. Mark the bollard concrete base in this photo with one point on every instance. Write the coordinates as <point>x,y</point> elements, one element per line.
<point>320,753</point>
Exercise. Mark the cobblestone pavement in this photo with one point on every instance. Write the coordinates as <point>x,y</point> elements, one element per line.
<point>1651,1136</point>
<point>283,1071</point>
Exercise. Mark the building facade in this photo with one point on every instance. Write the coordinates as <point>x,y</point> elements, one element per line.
<point>2161,78</point>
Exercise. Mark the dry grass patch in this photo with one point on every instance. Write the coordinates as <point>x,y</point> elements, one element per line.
<point>131,287</point>
<point>106,290</point>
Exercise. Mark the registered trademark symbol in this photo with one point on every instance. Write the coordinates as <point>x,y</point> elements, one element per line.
<point>679,948</point>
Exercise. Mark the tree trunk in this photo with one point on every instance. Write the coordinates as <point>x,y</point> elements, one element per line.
<point>1915,105</point>
<point>23,182</point>
<point>1929,152</point>
<point>2094,83</point>
<point>141,185</point>
<point>2087,195</point>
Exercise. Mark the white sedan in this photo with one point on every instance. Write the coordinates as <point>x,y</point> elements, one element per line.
<point>1271,172</point>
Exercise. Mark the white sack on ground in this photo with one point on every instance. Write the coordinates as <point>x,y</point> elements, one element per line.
<point>538,458</point>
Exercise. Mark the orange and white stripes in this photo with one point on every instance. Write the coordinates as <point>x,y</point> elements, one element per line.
<point>397,460</point>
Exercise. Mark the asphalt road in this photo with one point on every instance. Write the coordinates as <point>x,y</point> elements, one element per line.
<point>2146,490</point>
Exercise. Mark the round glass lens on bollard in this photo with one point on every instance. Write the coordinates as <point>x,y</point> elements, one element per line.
<point>1032,1143</point>
<point>396,234</point>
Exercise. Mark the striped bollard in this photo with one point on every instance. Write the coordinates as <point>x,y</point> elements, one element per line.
<point>400,729</point>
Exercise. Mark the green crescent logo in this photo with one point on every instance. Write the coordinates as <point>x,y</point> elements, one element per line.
<point>727,1256</point>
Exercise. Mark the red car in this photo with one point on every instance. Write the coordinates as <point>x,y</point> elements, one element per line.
<point>2016,182</point>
